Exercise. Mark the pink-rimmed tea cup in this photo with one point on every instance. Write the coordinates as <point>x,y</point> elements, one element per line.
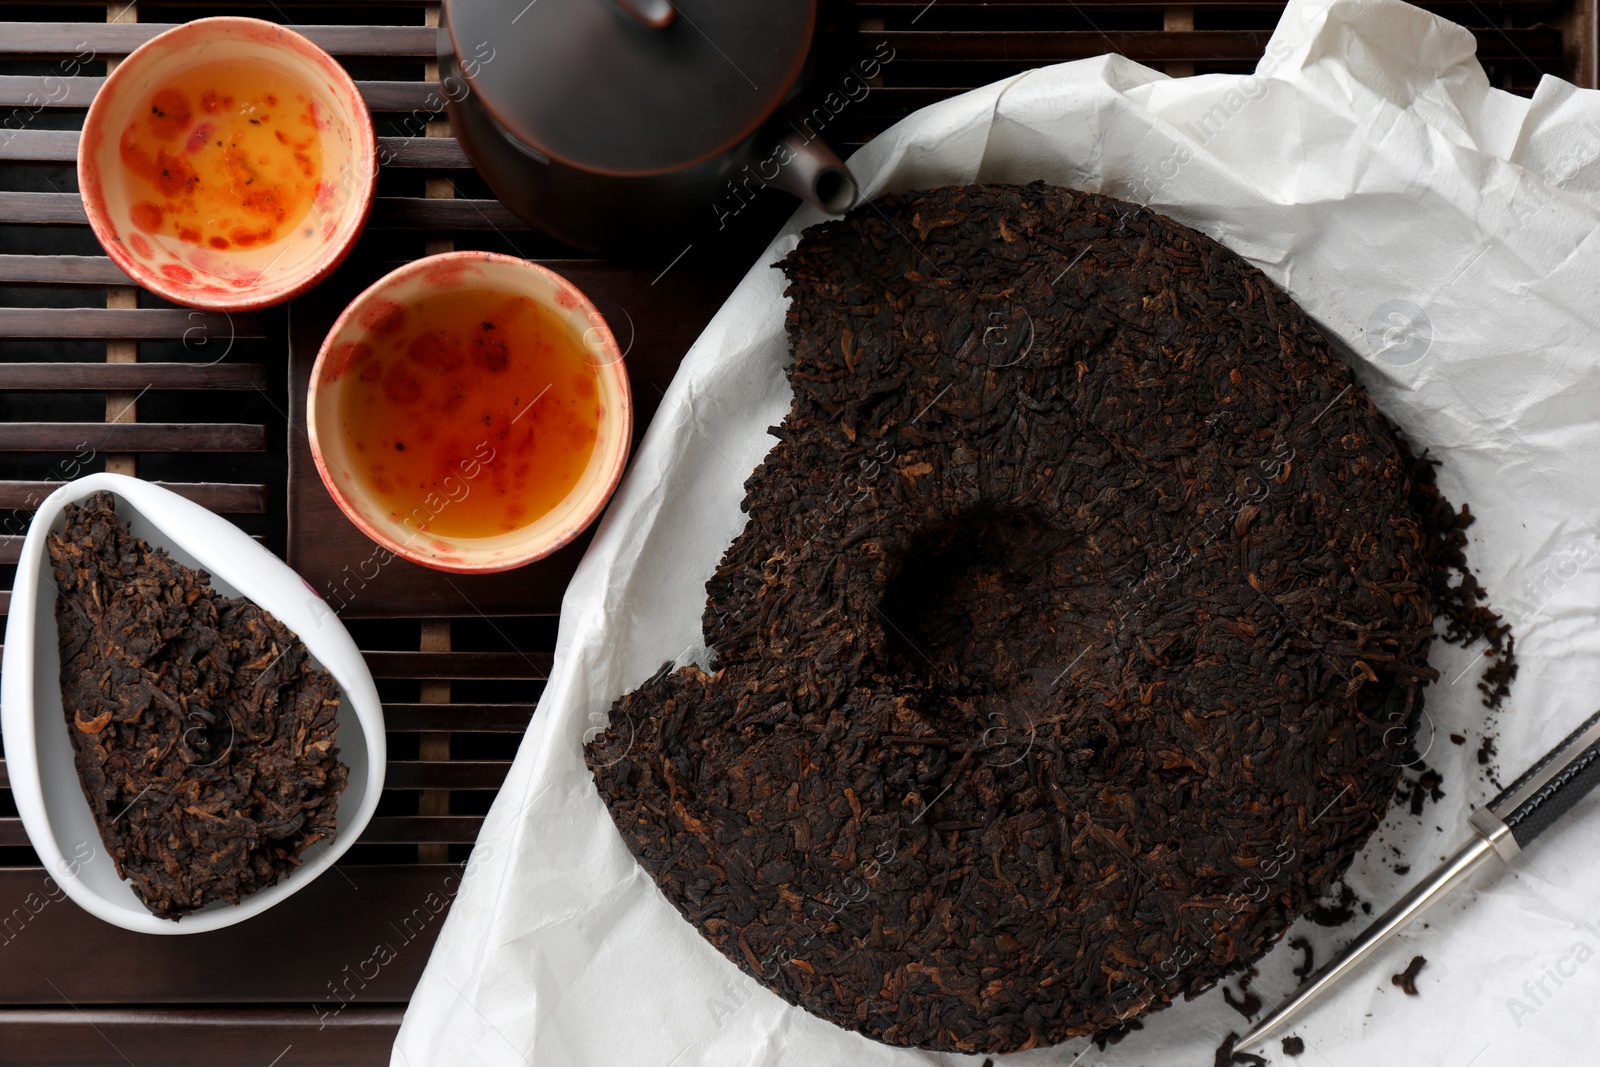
<point>215,272</point>
<point>334,445</point>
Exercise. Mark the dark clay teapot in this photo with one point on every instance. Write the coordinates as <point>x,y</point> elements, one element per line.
<point>624,124</point>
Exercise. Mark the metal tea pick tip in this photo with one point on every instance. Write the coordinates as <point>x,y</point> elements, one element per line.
<point>1523,811</point>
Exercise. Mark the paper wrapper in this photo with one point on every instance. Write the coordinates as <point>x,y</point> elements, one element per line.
<point>1446,232</point>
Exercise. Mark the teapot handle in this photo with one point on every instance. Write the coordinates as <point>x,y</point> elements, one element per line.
<point>656,14</point>
<point>811,170</point>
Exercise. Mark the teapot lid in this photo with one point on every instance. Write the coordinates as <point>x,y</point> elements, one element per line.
<point>630,86</point>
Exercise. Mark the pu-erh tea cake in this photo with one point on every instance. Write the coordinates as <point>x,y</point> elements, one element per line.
<point>204,737</point>
<point>1072,644</point>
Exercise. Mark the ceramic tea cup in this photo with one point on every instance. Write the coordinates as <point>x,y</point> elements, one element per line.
<point>228,164</point>
<point>468,446</point>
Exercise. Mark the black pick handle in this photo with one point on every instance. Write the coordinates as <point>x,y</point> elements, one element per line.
<point>1579,773</point>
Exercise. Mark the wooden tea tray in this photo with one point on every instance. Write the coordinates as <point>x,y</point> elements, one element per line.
<point>96,375</point>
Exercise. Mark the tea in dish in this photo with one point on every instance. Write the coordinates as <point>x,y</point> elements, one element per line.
<point>225,154</point>
<point>204,736</point>
<point>471,412</point>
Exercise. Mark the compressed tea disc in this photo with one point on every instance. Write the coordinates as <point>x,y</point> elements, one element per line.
<point>1072,643</point>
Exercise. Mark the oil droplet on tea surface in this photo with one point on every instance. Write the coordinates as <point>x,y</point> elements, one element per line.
<point>225,154</point>
<point>469,413</point>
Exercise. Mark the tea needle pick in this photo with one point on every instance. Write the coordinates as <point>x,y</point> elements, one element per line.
<point>1522,811</point>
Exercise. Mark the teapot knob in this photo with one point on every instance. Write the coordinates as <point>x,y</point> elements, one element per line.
<point>811,170</point>
<point>656,14</point>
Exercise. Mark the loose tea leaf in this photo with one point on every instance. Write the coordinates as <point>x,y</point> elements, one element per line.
<point>202,734</point>
<point>1407,979</point>
<point>1246,1003</point>
<point>1226,1057</point>
<point>1337,909</point>
<point>1069,654</point>
<point>1308,958</point>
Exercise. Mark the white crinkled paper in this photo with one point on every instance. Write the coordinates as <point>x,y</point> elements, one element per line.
<point>1445,231</point>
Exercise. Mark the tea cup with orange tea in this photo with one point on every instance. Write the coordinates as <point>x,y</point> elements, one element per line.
<point>470,412</point>
<point>227,163</point>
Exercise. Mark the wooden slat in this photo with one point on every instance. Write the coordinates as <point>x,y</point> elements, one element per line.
<point>132,436</point>
<point>457,718</point>
<point>96,271</point>
<point>1152,46</point>
<point>42,209</point>
<point>12,835</point>
<point>70,38</point>
<point>418,829</point>
<point>532,666</point>
<point>136,324</point>
<point>61,146</point>
<point>362,1033</point>
<point>453,774</point>
<point>131,376</point>
<point>381,96</point>
<point>424,213</point>
<point>45,91</point>
<point>402,4</point>
<point>392,96</point>
<point>228,498</point>
<point>400,96</point>
<point>437,153</point>
<point>61,209</point>
<point>5,778</point>
<point>50,146</point>
<point>38,91</point>
<point>99,272</point>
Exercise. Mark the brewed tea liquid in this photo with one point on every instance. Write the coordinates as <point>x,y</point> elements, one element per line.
<point>225,154</point>
<point>471,413</point>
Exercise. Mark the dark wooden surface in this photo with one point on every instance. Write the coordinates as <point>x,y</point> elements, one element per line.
<point>250,963</point>
<point>95,375</point>
<point>198,1037</point>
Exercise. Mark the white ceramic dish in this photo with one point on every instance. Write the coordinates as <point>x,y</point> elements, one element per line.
<point>44,781</point>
